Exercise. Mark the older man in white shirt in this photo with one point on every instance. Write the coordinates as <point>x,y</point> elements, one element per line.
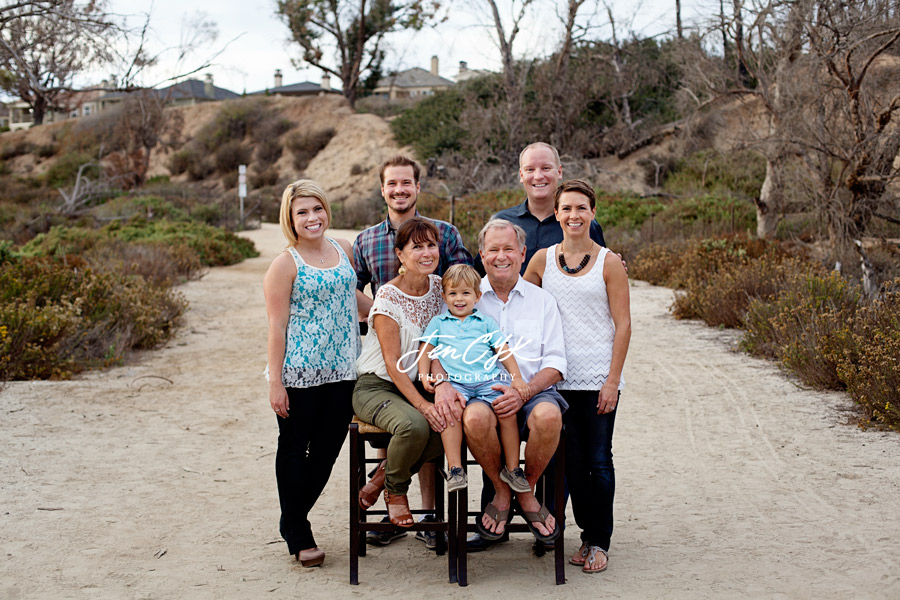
<point>529,317</point>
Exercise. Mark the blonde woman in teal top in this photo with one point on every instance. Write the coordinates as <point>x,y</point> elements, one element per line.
<point>313,311</point>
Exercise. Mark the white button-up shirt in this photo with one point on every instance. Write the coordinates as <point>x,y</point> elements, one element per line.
<point>530,320</point>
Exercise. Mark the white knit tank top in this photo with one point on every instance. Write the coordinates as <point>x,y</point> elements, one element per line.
<point>588,326</point>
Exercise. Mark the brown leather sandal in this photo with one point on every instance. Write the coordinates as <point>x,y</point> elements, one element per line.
<point>369,493</point>
<point>399,500</point>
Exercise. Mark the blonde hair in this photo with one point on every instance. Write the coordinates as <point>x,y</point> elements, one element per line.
<point>302,188</point>
<point>461,274</point>
<point>540,145</point>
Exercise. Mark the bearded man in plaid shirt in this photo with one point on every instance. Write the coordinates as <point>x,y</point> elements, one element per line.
<point>373,250</point>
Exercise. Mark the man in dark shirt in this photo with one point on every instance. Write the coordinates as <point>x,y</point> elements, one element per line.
<point>540,172</point>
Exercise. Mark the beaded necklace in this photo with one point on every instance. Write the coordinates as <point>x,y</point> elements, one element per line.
<point>572,270</point>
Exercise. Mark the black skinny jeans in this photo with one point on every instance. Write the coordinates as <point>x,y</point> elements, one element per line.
<point>589,466</point>
<point>309,442</point>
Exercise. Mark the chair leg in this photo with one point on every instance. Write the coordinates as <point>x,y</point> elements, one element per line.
<point>462,518</point>
<point>439,507</point>
<point>354,504</point>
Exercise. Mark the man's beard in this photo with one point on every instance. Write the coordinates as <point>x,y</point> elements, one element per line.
<point>410,208</point>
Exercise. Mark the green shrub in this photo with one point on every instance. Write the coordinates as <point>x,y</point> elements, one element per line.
<point>55,321</point>
<point>679,264</point>
<point>432,126</point>
<point>268,152</point>
<point>808,327</point>
<point>201,169</point>
<point>735,174</point>
<point>305,146</point>
<point>872,374</point>
<point>213,246</point>
<point>625,211</point>
<point>230,155</point>
<point>722,298</point>
<point>161,264</point>
<point>47,150</point>
<point>63,172</point>
<point>263,177</point>
<point>181,160</point>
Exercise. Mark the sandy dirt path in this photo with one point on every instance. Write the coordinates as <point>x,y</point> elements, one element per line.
<point>156,480</point>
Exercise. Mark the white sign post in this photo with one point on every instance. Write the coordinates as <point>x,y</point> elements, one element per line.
<point>242,189</point>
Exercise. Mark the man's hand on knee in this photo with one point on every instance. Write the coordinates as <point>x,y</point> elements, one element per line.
<point>509,402</point>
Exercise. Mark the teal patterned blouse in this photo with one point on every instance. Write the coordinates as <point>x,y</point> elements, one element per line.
<point>322,340</point>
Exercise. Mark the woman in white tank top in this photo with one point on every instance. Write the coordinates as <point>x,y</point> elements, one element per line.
<point>591,289</point>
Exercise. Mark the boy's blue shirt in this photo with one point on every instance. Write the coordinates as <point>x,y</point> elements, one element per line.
<point>471,353</point>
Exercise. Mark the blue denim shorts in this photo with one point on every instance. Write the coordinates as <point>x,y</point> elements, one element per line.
<point>478,390</point>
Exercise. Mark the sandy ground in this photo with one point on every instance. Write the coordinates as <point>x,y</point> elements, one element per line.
<point>156,480</point>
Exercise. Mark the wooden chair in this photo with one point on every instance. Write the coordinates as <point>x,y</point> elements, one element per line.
<point>559,551</point>
<point>360,433</point>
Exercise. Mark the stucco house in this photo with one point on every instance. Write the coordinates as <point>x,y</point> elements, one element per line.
<point>412,83</point>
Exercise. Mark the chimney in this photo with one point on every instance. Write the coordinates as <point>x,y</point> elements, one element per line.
<point>208,89</point>
<point>326,82</point>
<point>434,66</point>
<point>463,66</point>
<point>278,79</point>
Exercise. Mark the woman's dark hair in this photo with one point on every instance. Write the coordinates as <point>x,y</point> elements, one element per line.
<point>575,185</point>
<point>417,230</point>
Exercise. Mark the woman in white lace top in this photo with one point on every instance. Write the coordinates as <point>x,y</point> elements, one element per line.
<point>388,393</point>
<point>313,342</point>
<point>591,289</point>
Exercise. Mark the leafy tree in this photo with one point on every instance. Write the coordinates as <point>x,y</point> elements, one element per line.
<point>355,28</point>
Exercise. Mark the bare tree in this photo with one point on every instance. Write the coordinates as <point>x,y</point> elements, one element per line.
<point>771,48</point>
<point>851,134</point>
<point>356,28</point>
<point>44,45</point>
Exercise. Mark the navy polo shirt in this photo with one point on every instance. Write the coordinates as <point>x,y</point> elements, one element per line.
<point>538,234</point>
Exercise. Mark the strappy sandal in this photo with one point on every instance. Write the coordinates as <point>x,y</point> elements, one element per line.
<point>591,556</point>
<point>498,516</point>
<point>583,552</point>
<point>369,493</point>
<point>539,517</point>
<point>399,500</point>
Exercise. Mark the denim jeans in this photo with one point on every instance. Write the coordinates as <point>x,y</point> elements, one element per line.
<point>309,442</point>
<point>589,466</point>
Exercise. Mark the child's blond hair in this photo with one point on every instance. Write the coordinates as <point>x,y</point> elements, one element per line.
<point>461,275</point>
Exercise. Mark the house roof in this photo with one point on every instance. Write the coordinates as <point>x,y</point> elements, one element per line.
<point>190,88</point>
<point>415,77</point>
<point>297,89</point>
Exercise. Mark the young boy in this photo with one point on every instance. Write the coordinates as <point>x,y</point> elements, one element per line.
<point>469,346</point>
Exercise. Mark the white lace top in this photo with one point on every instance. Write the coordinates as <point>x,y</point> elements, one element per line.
<point>322,338</point>
<point>412,314</point>
<point>587,324</point>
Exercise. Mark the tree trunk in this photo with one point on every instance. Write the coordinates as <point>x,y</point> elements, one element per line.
<point>770,202</point>
<point>678,20</point>
<point>38,110</point>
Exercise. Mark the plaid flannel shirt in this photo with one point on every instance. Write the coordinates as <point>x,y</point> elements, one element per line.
<point>376,262</point>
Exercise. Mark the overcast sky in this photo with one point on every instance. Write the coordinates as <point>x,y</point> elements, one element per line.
<point>257,42</point>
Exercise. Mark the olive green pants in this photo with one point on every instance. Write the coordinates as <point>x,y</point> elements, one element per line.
<point>413,442</point>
